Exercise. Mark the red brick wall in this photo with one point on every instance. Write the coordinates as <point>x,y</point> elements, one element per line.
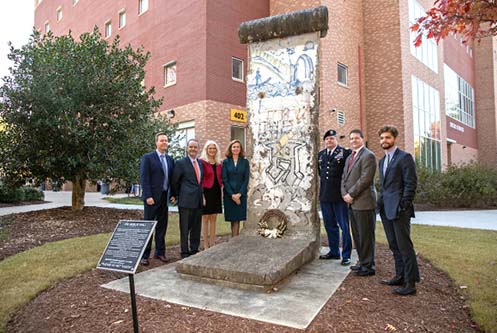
<point>223,19</point>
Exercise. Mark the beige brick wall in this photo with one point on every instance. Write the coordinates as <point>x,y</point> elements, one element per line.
<point>212,120</point>
<point>486,104</point>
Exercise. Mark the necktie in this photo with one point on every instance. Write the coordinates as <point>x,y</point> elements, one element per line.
<point>328,153</point>
<point>351,160</point>
<point>385,165</point>
<point>197,171</point>
<point>164,168</point>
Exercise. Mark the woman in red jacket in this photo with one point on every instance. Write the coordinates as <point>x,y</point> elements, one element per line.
<point>211,185</point>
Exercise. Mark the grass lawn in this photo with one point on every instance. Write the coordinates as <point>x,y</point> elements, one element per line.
<point>25,275</point>
<point>468,256</point>
<point>125,200</point>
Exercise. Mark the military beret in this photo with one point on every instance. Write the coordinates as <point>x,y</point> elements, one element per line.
<point>328,133</point>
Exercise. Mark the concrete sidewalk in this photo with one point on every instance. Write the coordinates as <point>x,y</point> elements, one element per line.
<point>61,199</point>
<point>474,219</point>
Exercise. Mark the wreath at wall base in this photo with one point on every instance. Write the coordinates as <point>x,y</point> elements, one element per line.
<point>273,224</point>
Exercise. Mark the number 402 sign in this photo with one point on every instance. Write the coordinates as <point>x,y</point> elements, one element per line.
<point>238,115</point>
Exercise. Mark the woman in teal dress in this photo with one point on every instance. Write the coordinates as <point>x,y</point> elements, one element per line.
<point>235,176</point>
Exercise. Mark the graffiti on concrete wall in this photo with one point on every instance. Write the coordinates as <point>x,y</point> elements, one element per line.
<point>280,96</point>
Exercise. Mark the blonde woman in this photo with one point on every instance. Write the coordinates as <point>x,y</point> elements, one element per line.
<point>212,184</point>
<point>235,173</point>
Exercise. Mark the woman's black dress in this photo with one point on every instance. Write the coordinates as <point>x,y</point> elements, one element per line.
<point>212,196</point>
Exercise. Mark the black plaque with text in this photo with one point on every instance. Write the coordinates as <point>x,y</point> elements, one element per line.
<point>126,246</point>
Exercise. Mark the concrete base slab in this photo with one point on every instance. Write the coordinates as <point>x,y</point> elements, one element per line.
<point>249,262</point>
<point>295,305</point>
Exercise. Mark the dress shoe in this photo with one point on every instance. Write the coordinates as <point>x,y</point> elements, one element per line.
<point>364,272</point>
<point>395,281</point>
<point>329,256</point>
<point>185,255</point>
<point>355,267</point>
<point>345,262</point>
<point>161,258</point>
<point>144,262</point>
<point>405,290</point>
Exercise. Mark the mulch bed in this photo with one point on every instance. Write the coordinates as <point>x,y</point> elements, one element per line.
<point>79,304</point>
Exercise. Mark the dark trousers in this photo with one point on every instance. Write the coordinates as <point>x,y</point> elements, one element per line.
<point>398,234</point>
<point>363,227</point>
<point>335,215</point>
<point>190,223</point>
<point>157,212</point>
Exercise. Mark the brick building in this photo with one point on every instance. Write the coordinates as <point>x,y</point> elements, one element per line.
<point>441,97</point>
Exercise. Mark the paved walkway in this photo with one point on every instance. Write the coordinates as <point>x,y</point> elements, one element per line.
<point>475,219</point>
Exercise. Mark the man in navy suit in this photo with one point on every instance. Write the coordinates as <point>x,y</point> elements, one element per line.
<point>187,183</point>
<point>398,183</point>
<point>156,171</point>
<point>331,162</point>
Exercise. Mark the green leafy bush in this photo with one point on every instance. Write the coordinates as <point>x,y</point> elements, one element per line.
<point>17,194</point>
<point>464,186</point>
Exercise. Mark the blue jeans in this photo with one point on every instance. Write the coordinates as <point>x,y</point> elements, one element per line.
<point>336,217</point>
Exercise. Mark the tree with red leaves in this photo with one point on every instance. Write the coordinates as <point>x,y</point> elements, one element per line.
<point>469,18</point>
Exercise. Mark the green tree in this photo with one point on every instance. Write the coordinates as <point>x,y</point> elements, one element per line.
<point>76,110</point>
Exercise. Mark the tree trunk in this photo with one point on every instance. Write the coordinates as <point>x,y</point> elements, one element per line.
<point>78,193</point>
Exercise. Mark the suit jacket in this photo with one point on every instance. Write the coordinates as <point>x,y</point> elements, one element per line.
<point>185,184</point>
<point>152,175</point>
<point>358,180</point>
<point>208,180</point>
<point>330,173</point>
<point>235,179</point>
<point>398,184</point>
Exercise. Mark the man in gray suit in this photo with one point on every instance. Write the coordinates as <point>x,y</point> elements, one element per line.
<point>187,184</point>
<point>398,183</point>
<point>359,193</point>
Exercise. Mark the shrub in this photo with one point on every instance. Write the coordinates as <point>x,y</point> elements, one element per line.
<point>464,186</point>
<point>17,194</point>
<point>32,194</point>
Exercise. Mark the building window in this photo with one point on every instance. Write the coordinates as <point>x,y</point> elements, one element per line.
<point>426,124</point>
<point>237,69</point>
<point>142,6</point>
<point>239,133</point>
<point>122,18</point>
<point>108,29</point>
<point>184,132</point>
<point>47,27</point>
<point>427,52</point>
<point>342,74</point>
<point>170,74</point>
<point>459,98</point>
<point>59,13</point>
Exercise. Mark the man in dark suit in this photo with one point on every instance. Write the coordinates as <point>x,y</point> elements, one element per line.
<point>398,182</point>
<point>187,183</point>
<point>331,162</point>
<point>156,171</point>
<point>359,192</point>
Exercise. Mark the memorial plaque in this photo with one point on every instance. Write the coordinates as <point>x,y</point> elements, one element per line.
<point>126,246</point>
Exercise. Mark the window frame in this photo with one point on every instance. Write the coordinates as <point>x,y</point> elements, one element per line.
<point>59,14</point>
<point>165,69</point>
<point>121,14</point>
<point>108,32</point>
<point>346,68</point>
<point>141,9</point>
<point>242,63</point>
